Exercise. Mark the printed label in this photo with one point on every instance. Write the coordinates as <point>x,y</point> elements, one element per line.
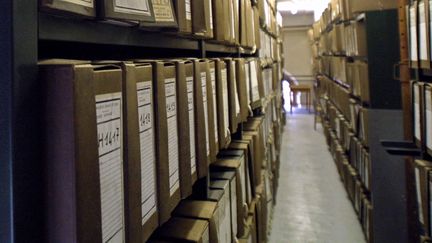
<point>131,6</point>
<point>213,81</point>
<point>413,34</point>
<point>206,125</point>
<point>110,137</point>
<point>163,10</point>
<point>429,119</point>
<point>225,100</point>
<point>85,3</point>
<point>423,32</point>
<point>173,154</point>
<point>417,131</point>
<point>191,104</point>
<point>188,10</point>
<point>419,201</point>
<point>147,149</point>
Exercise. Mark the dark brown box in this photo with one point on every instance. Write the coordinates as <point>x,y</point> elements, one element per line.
<point>234,103</point>
<point>125,11</point>
<point>204,210</point>
<point>222,103</point>
<point>421,172</point>
<point>84,8</point>
<point>167,137</point>
<point>140,155</point>
<point>164,16</point>
<point>202,18</point>
<point>201,116</point>
<point>183,9</point>
<point>223,211</point>
<point>179,229</point>
<point>83,140</point>
<point>186,124</point>
<point>212,108</point>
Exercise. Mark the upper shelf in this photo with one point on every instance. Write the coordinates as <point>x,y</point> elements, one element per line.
<point>55,28</point>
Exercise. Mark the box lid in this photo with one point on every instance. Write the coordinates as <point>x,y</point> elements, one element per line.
<point>223,175</point>
<point>196,209</point>
<point>183,229</point>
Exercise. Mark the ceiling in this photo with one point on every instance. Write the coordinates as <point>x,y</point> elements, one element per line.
<point>298,6</point>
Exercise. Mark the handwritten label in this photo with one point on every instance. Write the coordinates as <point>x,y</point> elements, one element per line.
<point>109,129</point>
<point>413,34</point>
<point>423,32</point>
<point>163,10</point>
<point>237,102</point>
<point>188,10</point>
<point>191,104</point>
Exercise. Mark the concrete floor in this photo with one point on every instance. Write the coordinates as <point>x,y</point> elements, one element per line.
<point>312,204</point>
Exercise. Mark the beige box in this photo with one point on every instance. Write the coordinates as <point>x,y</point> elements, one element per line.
<point>234,103</point>
<point>84,8</point>
<point>179,229</point>
<point>140,156</point>
<point>422,170</point>
<point>129,11</point>
<point>371,5</point>
<point>220,21</point>
<point>202,18</point>
<point>212,108</point>
<point>242,89</point>
<point>201,116</point>
<point>183,10</point>
<point>257,28</point>
<point>223,212</point>
<point>167,137</point>
<point>83,151</point>
<point>246,145</point>
<point>203,210</point>
<point>222,103</point>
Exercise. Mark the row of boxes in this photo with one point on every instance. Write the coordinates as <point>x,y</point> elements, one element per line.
<point>226,21</point>
<point>419,23</point>
<point>267,13</point>
<point>422,175</point>
<point>125,141</point>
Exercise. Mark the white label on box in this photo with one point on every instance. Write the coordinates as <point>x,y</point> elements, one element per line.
<point>206,236</point>
<point>213,82</point>
<point>147,150</point>
<point>132,6</point>
<point>429,119</point>
<point>173,153</point>
<point>225,100</point>
<point>211,14</point>
<point>418,191</point>
<point>233,198</point>
<point>423,32</point>
<point>248,91</point>
<point>110,137</point>
<point>413,34</point>
<point>85,3</point>
<point>191,105</point>
<point>206,125</point>
<point>188,10</point>
<point>417,132</point>
<point>237,102</point>
<point>254,82</point>
<point>233,30</point>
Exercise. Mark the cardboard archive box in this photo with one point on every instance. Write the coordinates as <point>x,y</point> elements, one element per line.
<point>257,27</point>
<point>201,116</point>
<point>164,16</point>
<point>246,145</point>
<point>222,103</point>
<point>418,112</point>
<point>256,90</point>
<point>428,117</point>
<point>370,5</point>
<point>183,10</point>
<point>179,229</point>
<point>212,108</point>
<point>125,11</point>
<point>186,124</point>
<point>242,89</point>
<point>223,211</point>
<point>220,22</point>
<point>250,25</point>
<point>202,18</point>
<point>254,129</point>
<point>83,151</point>
<point>84,8</point>
<point>234,102</point>
<point>421,171</point>
<point>232,8</point>
<point>228,187</point>
<point>167,137</point>
<point>140,155</point>
<point>203,210</point>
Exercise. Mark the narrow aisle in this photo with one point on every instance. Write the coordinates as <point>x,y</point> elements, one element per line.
<point>312,204</point>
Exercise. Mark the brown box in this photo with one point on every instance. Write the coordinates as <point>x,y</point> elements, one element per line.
<point>201,116</point>
<point>421,172</point>
<point>220,21</point>
<point>222,103</point>
<point>202,18</point>
<point>140,155</point>
<point>229,187</point>
<point>246,145</point>
<point>418,112</point>
<point>164,16</point>
<point>233,8</point>
<point>255,84</point>
<point>242,89</point>
<point>242,22</point>
<point>250,25</point>
<point>183,230</point>
<point>223,211</point>
<point>234,103</point>
<point>83,151</point>
<point>85,8</point>
<point>186,121</point>
<point>167,137</point>
<point>370,5</point>
<point>428,117</point>
<point>183,9</point>
<point>236,163</point>
<point>125,11</point>
<point>204,210</point>
<point>212,108</point>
